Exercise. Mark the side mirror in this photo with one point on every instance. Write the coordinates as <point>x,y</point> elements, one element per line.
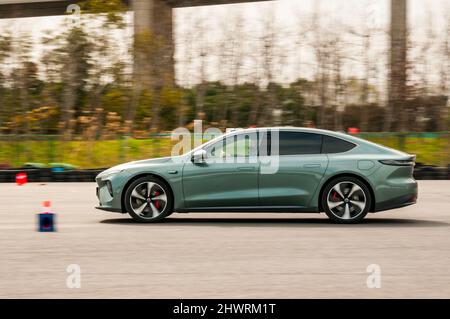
<point>198,157</point>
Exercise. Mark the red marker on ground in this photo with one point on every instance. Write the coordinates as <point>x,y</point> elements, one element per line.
<point>21,179</point>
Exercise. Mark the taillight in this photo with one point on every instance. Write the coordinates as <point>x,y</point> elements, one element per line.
<point>407,162</point>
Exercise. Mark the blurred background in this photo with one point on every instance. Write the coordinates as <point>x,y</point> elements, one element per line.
<point>96,83</point>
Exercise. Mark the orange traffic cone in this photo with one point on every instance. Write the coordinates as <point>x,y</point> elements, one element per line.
<point>46,219</point>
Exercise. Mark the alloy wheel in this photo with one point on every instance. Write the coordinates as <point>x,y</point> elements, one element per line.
<point>346,200</point>
<point>148,200</point>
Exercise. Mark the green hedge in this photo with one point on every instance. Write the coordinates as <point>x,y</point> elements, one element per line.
<point>430,148</point>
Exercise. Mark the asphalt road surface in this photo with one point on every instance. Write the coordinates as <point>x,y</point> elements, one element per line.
<point>223,255</point>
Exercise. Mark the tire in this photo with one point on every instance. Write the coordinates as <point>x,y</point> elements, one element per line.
<point>346,200</point>
<point>146,205</point>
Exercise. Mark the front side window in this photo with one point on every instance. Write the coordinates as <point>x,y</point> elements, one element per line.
<point>240,145</point>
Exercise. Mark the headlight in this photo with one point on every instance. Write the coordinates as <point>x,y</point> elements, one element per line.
<point>109,186</point>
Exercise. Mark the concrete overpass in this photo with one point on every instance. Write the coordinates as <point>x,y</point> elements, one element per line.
<point>151,17</point>
<point>35,8</point>
<point>155,17</point>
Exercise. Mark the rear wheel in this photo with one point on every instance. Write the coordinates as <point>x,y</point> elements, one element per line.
<point>148,199</point>
<point>346,200</point>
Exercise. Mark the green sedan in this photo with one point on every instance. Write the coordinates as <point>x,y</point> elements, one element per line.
<point>265,170</point>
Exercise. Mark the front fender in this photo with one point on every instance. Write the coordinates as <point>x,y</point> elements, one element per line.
<point>171,174</point>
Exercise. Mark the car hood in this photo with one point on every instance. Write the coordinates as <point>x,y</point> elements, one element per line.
<point>141,163</point>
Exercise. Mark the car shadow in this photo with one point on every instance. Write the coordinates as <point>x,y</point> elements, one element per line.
<point>274,222</point>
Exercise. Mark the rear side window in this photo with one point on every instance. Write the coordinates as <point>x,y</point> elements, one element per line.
<point>335,145</point>
<point>298,143</point>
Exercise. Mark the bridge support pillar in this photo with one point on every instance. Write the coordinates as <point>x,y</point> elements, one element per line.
<point>153,43</point>
<point>398,67</point>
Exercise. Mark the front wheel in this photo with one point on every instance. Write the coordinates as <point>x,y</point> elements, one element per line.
<point>148,199</point>
<point>346,200</point>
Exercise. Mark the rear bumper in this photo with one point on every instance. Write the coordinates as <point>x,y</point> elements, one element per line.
<point>396,202</point>
<point>394,187</point>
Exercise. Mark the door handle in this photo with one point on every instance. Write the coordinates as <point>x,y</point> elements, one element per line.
<point>312,165</point>
<point>246,168</point>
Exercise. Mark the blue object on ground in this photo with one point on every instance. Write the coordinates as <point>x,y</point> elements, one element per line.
<point>46,222</point>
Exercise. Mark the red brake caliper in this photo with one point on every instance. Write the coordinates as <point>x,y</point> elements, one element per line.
<point>334,197</point>
<point>156,202</point>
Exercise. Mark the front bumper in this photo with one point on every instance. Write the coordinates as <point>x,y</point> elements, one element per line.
<point>109,193</point>
<point>109,209</point>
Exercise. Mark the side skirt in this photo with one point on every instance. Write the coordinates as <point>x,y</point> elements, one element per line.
<point>262,209</point>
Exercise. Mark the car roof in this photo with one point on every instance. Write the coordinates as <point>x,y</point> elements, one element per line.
<point>296,129</point>
<point>341,135</point>
<point>347,137</point>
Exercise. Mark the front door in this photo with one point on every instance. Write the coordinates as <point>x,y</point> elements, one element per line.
<point>227,178</point>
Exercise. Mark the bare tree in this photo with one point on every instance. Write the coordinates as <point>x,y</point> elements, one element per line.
<point>268,44</point>
<point>445,54</point>
<point>202,51</point>
<point>366,33</point>
<point>321,49</point>
<point>337,48</point>
<point>232,57</point>
<point>186,51</point>
<point>5,53</point>
<point>445,75</point>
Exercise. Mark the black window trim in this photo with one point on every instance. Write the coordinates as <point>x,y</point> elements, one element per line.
<point>269,141</point>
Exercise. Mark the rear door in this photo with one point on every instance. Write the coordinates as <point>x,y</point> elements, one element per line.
<point>301,167</point>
